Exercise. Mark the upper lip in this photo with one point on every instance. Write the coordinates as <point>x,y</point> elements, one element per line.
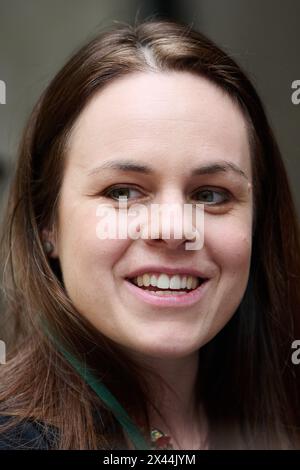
<point>167,270</point>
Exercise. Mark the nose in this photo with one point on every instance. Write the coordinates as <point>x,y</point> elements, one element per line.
<point>171,225</point>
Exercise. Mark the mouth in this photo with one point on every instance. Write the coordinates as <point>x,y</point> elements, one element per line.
<point>194,283</point>
<point>166,297</point>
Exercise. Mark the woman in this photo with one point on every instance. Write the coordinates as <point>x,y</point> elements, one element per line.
<point>95,361</point>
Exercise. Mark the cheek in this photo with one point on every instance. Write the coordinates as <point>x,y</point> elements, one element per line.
<point>229,243</point>
<point>84,256</point>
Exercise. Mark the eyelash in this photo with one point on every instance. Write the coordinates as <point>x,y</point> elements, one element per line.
<point>226,194</point>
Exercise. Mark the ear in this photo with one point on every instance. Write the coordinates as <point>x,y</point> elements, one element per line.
<point>50,236</point>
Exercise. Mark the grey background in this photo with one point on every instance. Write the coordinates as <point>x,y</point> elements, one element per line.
<point>37,36</point>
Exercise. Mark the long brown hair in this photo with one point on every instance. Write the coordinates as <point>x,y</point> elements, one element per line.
<point>248,386</point>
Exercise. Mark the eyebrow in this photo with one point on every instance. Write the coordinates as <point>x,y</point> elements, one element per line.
<point>132,166</point>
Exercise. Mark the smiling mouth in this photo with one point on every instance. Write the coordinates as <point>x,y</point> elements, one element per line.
<point>167,291</point>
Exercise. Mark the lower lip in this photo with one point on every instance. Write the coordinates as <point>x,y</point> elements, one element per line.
<point>173,300</point>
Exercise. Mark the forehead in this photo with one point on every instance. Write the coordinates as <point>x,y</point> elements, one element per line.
<point>161,116</point>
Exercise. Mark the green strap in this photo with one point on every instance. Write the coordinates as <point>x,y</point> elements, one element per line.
<point>105,395</point>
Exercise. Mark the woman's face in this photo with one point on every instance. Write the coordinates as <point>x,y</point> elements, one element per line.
<point>173,123</point>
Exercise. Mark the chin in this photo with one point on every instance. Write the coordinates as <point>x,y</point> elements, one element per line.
<point>167,351</point>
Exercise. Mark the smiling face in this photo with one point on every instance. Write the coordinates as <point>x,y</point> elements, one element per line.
<point>173,123</point>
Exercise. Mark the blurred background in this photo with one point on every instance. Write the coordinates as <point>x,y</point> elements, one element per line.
<point>37,36</point>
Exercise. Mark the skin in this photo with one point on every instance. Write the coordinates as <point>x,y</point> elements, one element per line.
<point>175,121</point>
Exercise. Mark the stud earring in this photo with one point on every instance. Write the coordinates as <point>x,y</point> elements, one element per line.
<point>48,246</point>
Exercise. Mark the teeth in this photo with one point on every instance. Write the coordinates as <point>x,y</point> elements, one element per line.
<point>146,280</point>
<point>163,281</point>
<point>153,280</point>
<point>194,282</point>
<point>189,282</point>
<point>175,282</point>
<point>183,282</point>
<point>166,292</point>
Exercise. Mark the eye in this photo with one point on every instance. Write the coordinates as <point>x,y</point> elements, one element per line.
<point>208,198</point>
<point>119,191</point>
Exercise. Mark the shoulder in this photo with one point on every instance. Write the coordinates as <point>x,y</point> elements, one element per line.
<point>27,434</point>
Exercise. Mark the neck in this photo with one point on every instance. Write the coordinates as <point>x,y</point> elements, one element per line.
<point>174,396</point>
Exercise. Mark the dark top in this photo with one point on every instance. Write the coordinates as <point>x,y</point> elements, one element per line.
<point>34,435</point>
<point>27,435</point>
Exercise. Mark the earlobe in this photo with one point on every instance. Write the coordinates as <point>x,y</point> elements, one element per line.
<point>49,243</point>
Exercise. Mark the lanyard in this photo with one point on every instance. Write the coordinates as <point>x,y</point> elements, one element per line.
<point>104,394</point>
